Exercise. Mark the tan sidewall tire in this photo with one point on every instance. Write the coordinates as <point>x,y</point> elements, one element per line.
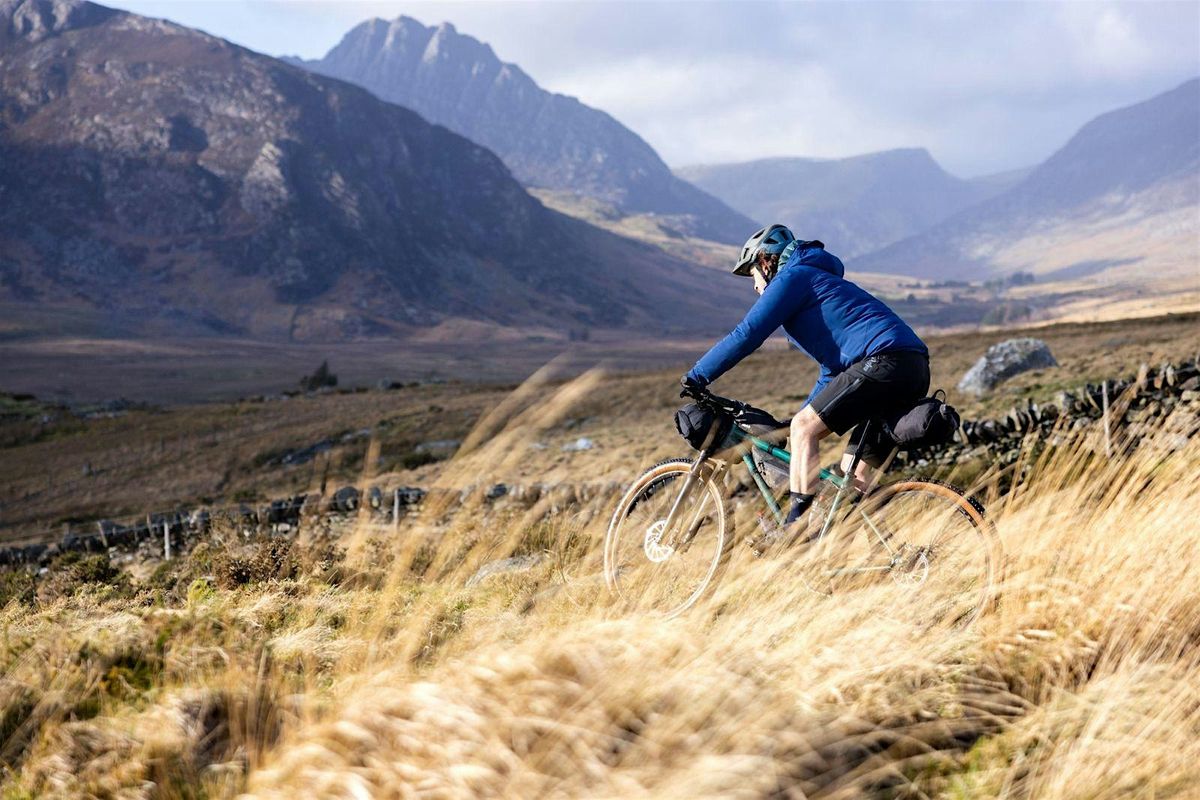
<point>983,527</point>
<point>679,467</point>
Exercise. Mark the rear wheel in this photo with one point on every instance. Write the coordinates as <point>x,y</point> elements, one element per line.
<point>654,568</point>
<point>929,539</point>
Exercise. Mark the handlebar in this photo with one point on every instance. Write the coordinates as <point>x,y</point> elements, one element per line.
<point>713,401</point>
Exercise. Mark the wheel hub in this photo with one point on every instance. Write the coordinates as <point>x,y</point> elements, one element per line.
<point>657,552</point>
<point>910,565</point>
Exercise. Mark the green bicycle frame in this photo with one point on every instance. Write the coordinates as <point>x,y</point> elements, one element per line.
<point>740,439</point>
<point>785,456</point>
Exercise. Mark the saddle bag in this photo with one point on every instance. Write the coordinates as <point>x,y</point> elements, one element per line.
<point>702,427</point>
<point>928,423</point>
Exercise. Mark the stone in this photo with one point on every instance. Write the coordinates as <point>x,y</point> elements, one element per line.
<point>346,499</point>
<point>410,495</point>
<point>438,446</point>
<point>505,566</point>
<point>497,491</point>
<point>582,443</point>
<point>199,520</point>
<point>1004,360</point>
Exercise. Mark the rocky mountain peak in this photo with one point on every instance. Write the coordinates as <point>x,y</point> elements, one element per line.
<point>36,20</point>
<point>549,141</point>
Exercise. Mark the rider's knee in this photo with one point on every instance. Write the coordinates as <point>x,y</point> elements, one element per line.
<point>807,424</point>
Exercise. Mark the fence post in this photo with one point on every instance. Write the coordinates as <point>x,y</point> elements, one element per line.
<point>396,510</point>
<point>166,540</point>
<point>103,538</point>
<point>1107,429</point>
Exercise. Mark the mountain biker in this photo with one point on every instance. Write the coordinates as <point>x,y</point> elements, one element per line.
<point>872,363</point>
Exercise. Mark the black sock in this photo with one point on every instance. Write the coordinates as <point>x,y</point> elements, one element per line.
<point>800,504</point>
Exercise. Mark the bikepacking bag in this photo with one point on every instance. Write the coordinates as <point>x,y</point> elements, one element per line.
<point>930,422</point>
<point>702,427</point>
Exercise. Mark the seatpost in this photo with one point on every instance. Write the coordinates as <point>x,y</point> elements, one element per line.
<point>858,451</point>
<point>847,481</point>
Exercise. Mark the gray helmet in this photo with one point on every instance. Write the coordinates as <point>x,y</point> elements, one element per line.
<point>770,240</point>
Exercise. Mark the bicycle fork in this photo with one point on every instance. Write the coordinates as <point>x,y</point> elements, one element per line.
<point>688,484</point>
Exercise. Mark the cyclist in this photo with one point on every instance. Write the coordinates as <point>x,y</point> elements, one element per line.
<point>872,363</point>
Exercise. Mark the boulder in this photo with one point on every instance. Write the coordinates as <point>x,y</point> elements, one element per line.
<point>410,495</point>
<point>375,498</point>
<point>346,499</point>
<point>1004,360</point>
<point>515,564</point>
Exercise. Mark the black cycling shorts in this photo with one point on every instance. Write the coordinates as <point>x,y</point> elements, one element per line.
<point>878,386</point>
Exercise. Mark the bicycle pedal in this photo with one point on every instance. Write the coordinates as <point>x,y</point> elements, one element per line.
<point>769,534</point>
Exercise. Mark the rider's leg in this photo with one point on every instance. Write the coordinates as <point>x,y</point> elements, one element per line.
<point>807,430</point>
<point>862,473</point>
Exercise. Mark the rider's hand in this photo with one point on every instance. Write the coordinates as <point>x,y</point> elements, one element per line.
<point>691,386</point>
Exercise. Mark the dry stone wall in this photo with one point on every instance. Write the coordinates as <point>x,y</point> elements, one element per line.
<point>146,538</point>
<point>1161,402</point>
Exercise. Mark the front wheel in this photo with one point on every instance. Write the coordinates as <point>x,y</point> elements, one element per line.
<point>661,569</point>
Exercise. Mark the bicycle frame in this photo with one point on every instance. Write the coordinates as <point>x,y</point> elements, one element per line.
<point>844,484</point>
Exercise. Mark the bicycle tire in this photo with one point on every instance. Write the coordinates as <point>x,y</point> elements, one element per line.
<point>979,569</point>
<point>643,581</point>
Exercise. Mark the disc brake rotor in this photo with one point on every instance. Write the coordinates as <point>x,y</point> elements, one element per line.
<point>910,566</point>
<point>655,550</point>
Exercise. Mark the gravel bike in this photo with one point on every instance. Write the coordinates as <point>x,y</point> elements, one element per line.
<point>672,531</point>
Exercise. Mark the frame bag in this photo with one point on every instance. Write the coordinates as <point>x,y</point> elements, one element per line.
<point>929,423</point>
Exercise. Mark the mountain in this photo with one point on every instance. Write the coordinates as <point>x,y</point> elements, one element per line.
<point>549,141</point>
<point>1124,189</point>
<point>855,205</point>
<point>999,182</point>
<point>179,182</point>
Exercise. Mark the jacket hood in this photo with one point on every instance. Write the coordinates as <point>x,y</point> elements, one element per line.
<point>818,258</point>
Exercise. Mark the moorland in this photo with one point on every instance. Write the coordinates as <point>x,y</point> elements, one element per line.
<point>369,659</point>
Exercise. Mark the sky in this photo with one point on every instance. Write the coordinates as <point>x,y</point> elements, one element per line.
<point>984,86</point>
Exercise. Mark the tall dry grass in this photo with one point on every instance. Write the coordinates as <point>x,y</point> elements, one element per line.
<point>386,675</point>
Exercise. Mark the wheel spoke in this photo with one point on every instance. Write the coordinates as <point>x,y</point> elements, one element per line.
<point>937,545</point>
<point>653,568</point>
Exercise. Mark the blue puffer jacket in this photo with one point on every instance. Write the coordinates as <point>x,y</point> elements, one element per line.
<point>832,320</point>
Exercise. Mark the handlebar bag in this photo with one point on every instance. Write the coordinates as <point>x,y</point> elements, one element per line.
<point>928,423</point>
<point>702,427</point>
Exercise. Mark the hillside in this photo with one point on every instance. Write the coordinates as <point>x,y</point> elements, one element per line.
<point>469,647</point>
<point>854,205</point>
<point>1119,203</point>
<point>179,185</point>
<point>151,458</point>
<point>549,141</point>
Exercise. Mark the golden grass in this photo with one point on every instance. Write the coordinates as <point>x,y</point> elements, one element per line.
<point>304,673</point>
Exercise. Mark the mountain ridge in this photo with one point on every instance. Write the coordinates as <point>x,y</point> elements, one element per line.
<point>855,204</point>
<point>165,174</point>
<point>550,141</point>
<point>1139,160</point>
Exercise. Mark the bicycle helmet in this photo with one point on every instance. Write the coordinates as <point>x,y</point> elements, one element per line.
<point>769,240</point>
